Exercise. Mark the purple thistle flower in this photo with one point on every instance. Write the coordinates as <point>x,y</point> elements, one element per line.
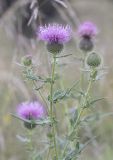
<point>55,33</point>
<point>87,29</point>
<point>30,110</point>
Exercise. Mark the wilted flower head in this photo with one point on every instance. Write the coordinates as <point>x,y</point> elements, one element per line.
<point>87,29</point>
<point>55,33</point>
<point>30,110</point>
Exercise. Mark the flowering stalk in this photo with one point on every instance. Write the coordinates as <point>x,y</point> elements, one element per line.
<point>55,36</point>
<point>81,107</point>
<point>82,72</point>
<point>51,106</point>
<point>41,95</point>
<point>30,142</point>
<point>66,110</point>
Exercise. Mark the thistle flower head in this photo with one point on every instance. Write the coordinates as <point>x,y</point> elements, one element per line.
<point>87,29</point>
<point>30,110</point>
<point>55,33</point>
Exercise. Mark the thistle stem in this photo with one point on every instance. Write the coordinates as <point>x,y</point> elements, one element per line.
<point>82,107</point>
<point>41,95</point>
<point>66,110</point>
<point>80,110</point>
<point>82,73</point>
<point>51,106</point>
<point>30,146</point>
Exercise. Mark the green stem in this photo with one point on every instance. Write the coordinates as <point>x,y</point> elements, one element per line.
<point>43,98</point>
<point>41,95</point>
<point>51,87</point>
<point>82,73</point>
<point>88,89</point>
<point>65,107</point>
<point>81,109</point>
<point>48,154</point>
<point>51,106</point>
<point>30,146</point>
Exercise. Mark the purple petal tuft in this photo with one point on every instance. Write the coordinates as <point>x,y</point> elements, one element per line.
<point>87,29</point>
<point>30,110</point>
<point>55,33</point>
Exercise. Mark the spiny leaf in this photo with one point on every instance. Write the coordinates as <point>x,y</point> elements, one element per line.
<point>74,117</point>
<point>42,121</point>
<point>61,94</point>
<point>96,100</point>
<point>20,118</point>
<point>96,116</point>
<point>89,103</point>
<point>64,56</point>
<point>79,148</point>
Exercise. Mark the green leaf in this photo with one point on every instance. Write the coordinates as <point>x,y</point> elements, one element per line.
<point>48,79</point>
<point>61,94</point>
<point>37,157</point>
<point>20,118</point>
<point>38,88</point>
<point>89,102</point>
<point>74,117</point>
<point>42,121</point>
<point>79,148</point>
<point>72,136</point>
<point>58,95</point>
<point>96,116</point>
<point>64,56</point>
<point>95,100</point>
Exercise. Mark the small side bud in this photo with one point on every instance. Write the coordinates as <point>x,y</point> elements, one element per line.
<point>86,44</point>
<point>27,60</point>
<point>93,60</point>
<point>54,48</point>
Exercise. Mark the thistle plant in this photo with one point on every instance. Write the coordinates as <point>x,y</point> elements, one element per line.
<point>33,114</point>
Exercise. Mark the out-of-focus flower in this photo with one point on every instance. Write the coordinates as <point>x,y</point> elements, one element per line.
<point>30,111</point>
<point>55,35</point>
<point>87,29</point>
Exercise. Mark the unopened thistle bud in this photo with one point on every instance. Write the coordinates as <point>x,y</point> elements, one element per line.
<point>93,60</point>
<point>27,60</point>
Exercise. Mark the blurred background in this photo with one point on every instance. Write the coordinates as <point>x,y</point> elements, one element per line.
<point>19,20</point>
